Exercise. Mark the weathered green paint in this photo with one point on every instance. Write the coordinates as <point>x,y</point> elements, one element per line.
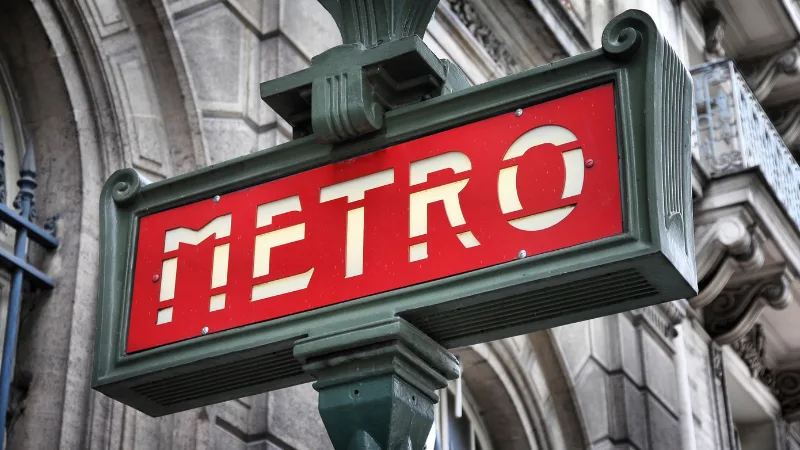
<point>348,89</point>
<point>654,257</point>
<point>373,23</point>
<point>382,65</point>
<point>377,383</point>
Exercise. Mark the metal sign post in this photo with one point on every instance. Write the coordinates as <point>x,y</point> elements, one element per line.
<point>411,214</point>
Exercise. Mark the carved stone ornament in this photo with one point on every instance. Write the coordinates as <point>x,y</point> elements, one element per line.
<point>495,47</point>
<point>731,315</point>
<point>674,311</point>
<point>764,74</point>
<point>726,248</point>
<point>751,348</point>
<point>787,121</point>
<point>714,31</point>
<point>787,387</point>
<point>658,318</point>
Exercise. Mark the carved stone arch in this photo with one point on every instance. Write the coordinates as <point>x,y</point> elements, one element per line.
<point>59,118</point>
<point>563,413</point>
<point>511,384</point>
<point>175,88</point>
<point>61,59</point>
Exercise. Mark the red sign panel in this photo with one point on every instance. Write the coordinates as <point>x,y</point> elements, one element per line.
<point>449,203</point>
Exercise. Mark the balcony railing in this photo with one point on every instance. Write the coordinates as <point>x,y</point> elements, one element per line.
<point>732,133</point>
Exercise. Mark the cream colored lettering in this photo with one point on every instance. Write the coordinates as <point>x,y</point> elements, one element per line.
<point>447,194</point>
<point>354,190</point>
<point>267,241</point>
<point>219,228</point>
<point>573,182</point>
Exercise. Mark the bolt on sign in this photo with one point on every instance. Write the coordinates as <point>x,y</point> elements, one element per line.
<point>555,195</point>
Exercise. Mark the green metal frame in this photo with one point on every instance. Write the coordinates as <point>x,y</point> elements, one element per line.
<point>652,261</point>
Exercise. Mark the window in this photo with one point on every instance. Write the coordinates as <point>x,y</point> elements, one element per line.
<point>11,146</point>
<point>457,433</point>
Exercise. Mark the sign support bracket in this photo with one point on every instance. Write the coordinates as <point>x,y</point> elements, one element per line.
<point>377,383</point>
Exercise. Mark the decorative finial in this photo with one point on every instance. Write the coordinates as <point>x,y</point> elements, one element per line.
<point>27,183</point>
<point>28,160</point>
<point>375,22</point>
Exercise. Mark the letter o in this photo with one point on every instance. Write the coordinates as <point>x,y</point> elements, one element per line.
<point>573,181</point>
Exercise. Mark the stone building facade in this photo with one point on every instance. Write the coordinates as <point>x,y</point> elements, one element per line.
<point>169,86</point>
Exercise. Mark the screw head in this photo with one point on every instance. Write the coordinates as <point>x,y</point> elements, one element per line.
<point>522,254</point>
<point>204,331</point>
<point>589,163</point>
<point>518,112</point>
<point>216,198</point>
<point>156,277</point>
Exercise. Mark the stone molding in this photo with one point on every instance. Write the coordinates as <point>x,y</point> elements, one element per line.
<point>785,385</point>
<point>726,248</point>
<point>736,286</point>
<point>764,73</point>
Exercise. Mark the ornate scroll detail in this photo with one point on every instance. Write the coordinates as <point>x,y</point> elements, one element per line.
<point>785,385</point>
<point>128,184</point>
<point>787,389</point>
<point>493,45</point>
<point>622,37</point>
<point>787,122</point>
<point>726,248</point>
<point>763,76</point>
<point>714,31</point>
<point>731,315</point>
<point>751,348</point>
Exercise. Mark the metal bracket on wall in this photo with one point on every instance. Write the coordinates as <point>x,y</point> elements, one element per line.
<point>382,65</point>
<point>377,383</point>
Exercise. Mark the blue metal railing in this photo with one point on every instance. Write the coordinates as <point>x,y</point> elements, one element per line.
<point>19,268</point>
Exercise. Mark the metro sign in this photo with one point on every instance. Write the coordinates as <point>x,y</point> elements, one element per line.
<point>555,195</point>
<point>467,198</point>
